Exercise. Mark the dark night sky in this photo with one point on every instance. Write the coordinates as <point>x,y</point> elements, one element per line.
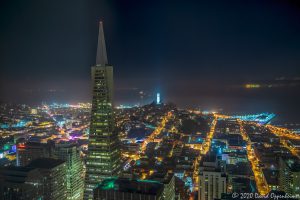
<point>193,52</point>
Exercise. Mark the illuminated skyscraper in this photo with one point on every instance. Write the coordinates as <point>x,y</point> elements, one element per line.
<point>54,173</point>
<point>70,153</point>
<point>289,175</point>
<point>64,150</point>
<point>213,181</point>
<point>103,158</point>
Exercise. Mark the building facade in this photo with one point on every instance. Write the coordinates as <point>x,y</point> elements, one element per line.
<point>29,151</point>
<point>20,183</point>
<point>54,173</point>
<point>67,151</point>
<point>43,178</point>
<point>103,157</point>
<point>289,176</point>
<point>70,153</point>
<point>212,181</point>
<point>168,180</point>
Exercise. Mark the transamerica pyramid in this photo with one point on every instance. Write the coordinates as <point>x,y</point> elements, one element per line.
<point>103,157</point>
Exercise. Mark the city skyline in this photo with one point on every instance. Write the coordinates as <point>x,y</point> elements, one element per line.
<point>181,101</point>
<point>221,46</point>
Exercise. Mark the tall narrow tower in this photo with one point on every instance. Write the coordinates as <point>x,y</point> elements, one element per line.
<point>103,157</point>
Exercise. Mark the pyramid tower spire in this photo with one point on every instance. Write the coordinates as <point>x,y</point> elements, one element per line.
<point>103,158</point>
<point>101,58</point>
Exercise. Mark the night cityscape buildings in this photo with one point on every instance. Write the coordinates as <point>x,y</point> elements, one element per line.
<point>184,153</point>
<point>212,179</point>
<point>103,157</point>
<point>54,181</point>
<point>289,175</point>
<point>67,151</point>
<point>21,183</point>
<point>152,148</point>
<point>70,153</point>
<point>29,151</point>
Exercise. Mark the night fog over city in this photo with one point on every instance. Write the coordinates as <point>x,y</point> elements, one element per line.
<point>149,100</point>
<point>199,53</point>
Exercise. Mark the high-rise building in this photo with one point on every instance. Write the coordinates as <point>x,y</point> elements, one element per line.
<point>67,151</point>
<point>20,183</point>
<point>103,157</point>
<point>289,176</point>
<point>212,180</point>
<point>43,178</point>
<point>54,177</point>
<point>129,189</point>
<point>29,151</point>
<point>70,153</point>
<point>168,179</point>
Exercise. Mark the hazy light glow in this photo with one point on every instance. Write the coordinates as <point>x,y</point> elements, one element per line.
<point>158,98</point>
